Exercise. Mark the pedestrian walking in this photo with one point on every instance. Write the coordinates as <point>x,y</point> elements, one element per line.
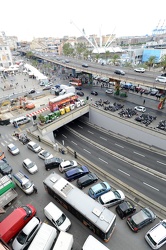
<point>35,189</point>
<point>144,102</point>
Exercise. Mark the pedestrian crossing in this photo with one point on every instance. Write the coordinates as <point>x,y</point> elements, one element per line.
<point>7,139</point>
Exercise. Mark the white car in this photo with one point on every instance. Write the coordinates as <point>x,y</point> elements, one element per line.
<point>156,236</point>
<point>139,70</point>
<point>30,166</point>
<point>26,235</point>
<point>140,109</point>
<point>44,154</point>
<point>13,149</point>
<point>34,147</point>
<point>111,198</point>
<point>109,91</point>
<point>161,79</point>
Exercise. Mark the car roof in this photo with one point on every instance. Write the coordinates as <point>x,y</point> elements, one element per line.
<point>158,232</point>
<point>108,196</point>
<point>32,143</point>
<point>125,205</point>
<point>31,225</point>
<point>27,161</point>
<point>98,186</point>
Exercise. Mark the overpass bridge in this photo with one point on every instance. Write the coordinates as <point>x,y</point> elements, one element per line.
<point>63,120</point>
<point>151,83</point>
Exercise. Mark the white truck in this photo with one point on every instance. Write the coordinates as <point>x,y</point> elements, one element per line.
<point>23,182</point>
<point>65,89</point>
<point>7,191</point>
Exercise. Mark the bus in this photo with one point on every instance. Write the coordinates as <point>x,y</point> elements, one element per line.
<point>62,101</point>
<point>97,218</point>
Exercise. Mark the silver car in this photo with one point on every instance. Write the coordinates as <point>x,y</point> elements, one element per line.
<point>34,147</point>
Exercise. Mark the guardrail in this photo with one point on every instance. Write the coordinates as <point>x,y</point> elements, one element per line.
<point>133,194</point>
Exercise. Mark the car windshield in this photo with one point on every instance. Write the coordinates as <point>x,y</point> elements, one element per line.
<point>13,147</point>
<point>22,238</point>
<point>35,146</point>
<point>72,163</point>
<point>27,185</point>
<point>147,212</point>
<point>3,166</point>
<point>61,220</point>
<point>117,195</point>
<point>30,165</point>
<point>45,154</point>
<point>163,224</point>
<point>103,185</point>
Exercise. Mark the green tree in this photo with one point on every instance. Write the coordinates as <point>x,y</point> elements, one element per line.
<point>115,58</point>
<point>163,62</point>
<point>29,54</point>
<point>151,61</point>
<point>107,55</point>
<point>80,48</point>
<point>68,49</point>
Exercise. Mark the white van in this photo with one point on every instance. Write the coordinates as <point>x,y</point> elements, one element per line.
<point>21,120</point>
<point>44,238</point>
<point>64,241</point>
<point>57,217</point>
<point>92,243</point>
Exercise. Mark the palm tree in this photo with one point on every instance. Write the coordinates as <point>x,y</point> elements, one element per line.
<point>151,61</point>
<point>115,58</point>
<point>163,62</point>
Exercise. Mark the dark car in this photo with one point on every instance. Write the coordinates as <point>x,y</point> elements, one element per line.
<point>164,74</point>
<point>94,93</point>
<point>5,168</point>
<point>52,163</point>
<point>125,209</point>
<point>141,219</point>
<point>85,65</point>
<point>78,88</point>
<point>76,173</point>
<point>158,95</point>
<point>80,93</point>
<point>32,91</point>
<point>119,72</point>
<point>87,180</point>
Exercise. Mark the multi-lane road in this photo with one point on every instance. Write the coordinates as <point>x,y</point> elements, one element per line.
<point>122,237</point>
<point>148,78</point>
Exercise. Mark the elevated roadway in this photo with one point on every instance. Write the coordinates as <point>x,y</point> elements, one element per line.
<point>146,79</point>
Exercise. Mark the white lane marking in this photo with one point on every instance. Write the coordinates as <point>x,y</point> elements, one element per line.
<point>103,160</point>
<point>64,135</point>
<point>6,141</point>
<point>74,142</point>
<point>2,144</point>
<point>103,138</point>
<point>123,172</point>
<point>161,162</point>
<point>87,151</point>
<point>80,126</point>
<point>139,154</point>
<point>119,145</point>
<point>150,186</point>
<point>90,132</point>
<point>14,138</point>
<point>10,140</point>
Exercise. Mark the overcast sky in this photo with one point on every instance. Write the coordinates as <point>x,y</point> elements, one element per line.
<point>52,18</point>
